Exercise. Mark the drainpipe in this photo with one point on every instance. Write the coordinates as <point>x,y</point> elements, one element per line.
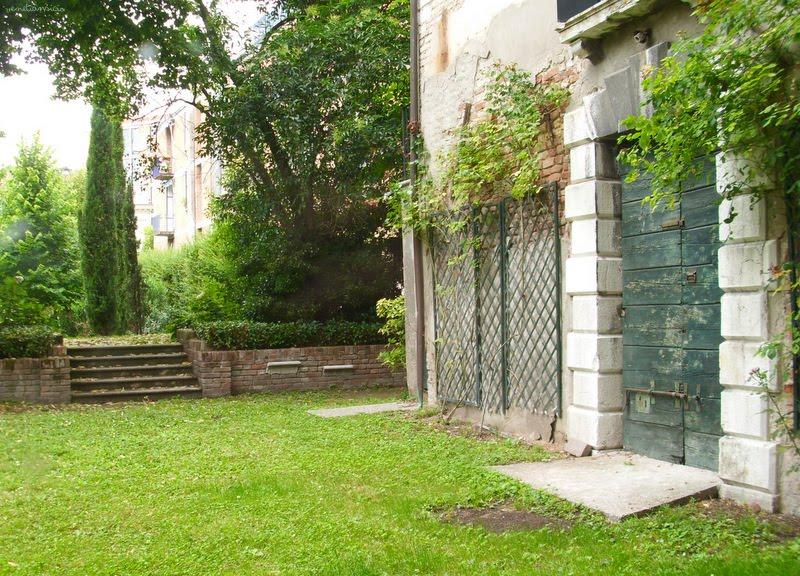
<point>419,284</point>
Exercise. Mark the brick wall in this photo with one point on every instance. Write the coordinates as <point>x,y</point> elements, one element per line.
<point>36,380</point>
<point>224,372</point>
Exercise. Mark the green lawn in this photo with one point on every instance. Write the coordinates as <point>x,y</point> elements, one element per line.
<point>254,485</point>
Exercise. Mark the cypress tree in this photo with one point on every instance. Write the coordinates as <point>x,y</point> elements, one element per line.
<point>102,251</point>
<point>134,289</point>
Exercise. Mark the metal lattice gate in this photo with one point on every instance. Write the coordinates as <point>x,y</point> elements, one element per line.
<point>498,313</point>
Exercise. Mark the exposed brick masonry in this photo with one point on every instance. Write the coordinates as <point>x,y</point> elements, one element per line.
<point>224,372</point>
<point>36,380</point>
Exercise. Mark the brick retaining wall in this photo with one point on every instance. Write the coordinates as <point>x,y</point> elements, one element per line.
<point>224,372</point>
<point>36,380</point>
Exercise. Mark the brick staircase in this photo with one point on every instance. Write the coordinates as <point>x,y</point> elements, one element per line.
<point>136,372</point>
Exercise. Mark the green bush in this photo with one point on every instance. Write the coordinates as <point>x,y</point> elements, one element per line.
<point>192,284</point>
<point>393,311</point>
<point>149,240</point>
<point>26,341</point>
<point>265,335</point>
<point>40,282</point>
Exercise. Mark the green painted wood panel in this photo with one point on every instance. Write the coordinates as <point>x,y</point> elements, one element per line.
<point>652,360</point>
<point>703,416</point>
<point>702,176</point>
<point>706,287</point>
<point>654,440</point>
<point>659,410</point>
<point>638,218</point>
<point>671,323</point>
<point>700,208</point>
<point>644,379</point>
<point>658,250</point>
<point>635,191</point>
<point>701,450</point>
<point>653,286</point>
<point>702,328</point>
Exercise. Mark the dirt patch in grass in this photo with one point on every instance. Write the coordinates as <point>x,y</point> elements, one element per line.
<point>504,518</point>
<point>438,421</point>
<point>781,527</point>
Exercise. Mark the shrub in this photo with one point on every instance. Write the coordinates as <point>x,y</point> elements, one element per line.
<point>264,335</point>
<point>17,307</point>
<point>189,285</point>
<point>40,281</point>
<point>26,341</point>
<point>149,240</point>
<point>393,311</point>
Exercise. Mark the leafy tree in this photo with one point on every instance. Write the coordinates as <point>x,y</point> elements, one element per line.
<point>102,255</point>
<point>307,173</point>
<point>734,87</point>
<point>96,49</point>
<point>307,118</point>
<point>38,244</point>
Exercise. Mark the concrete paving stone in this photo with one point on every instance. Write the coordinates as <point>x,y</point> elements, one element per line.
<point>618,484</point>
<point>364,409</point>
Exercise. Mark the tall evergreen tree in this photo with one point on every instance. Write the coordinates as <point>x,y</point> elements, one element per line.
<point>102,251</point>
<point>38,242</point>
<point>134,283</point>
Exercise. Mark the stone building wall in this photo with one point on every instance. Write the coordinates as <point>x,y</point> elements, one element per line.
<point>600,57</point>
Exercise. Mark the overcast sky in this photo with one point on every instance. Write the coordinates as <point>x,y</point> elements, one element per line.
<point>26,105</point>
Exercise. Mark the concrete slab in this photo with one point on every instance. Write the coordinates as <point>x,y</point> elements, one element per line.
<point>617,484</point>
<point>365,409</point>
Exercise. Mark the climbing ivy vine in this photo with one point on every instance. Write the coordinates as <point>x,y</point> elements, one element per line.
<point>494,156</point>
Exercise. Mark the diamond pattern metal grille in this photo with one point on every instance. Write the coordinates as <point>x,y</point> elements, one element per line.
<point>490,308</point>
<point>498,309</point>
<point>456,350</point>
<point>533,308</point>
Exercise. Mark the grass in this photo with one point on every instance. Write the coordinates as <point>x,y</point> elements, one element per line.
<point>254,485</point>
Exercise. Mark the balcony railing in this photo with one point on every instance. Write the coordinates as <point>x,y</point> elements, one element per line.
<point>162,225</point>
<point>163,169</point>
<point>569,8</point>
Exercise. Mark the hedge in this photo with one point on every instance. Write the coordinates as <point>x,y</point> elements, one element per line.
<point>264,335</point>
<point>26,341</point>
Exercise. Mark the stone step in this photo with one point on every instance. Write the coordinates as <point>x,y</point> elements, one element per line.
<point>131,383</point>
<point>103,372</point>
<point>127,360</point>
<point>138,394</point>
<point>124,350</point>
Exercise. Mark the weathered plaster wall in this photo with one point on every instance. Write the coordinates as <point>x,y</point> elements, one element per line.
<point>461,40</point>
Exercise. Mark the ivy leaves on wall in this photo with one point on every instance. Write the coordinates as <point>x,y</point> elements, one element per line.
<point>493,157</point>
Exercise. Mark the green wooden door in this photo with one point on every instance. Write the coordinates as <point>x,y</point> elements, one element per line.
<point>671,324</point>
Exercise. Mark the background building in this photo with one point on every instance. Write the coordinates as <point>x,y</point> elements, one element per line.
<point>173,194</point>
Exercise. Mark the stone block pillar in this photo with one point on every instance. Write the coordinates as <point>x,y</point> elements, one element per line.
<point>594,282</point>
<point>751,315</point>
